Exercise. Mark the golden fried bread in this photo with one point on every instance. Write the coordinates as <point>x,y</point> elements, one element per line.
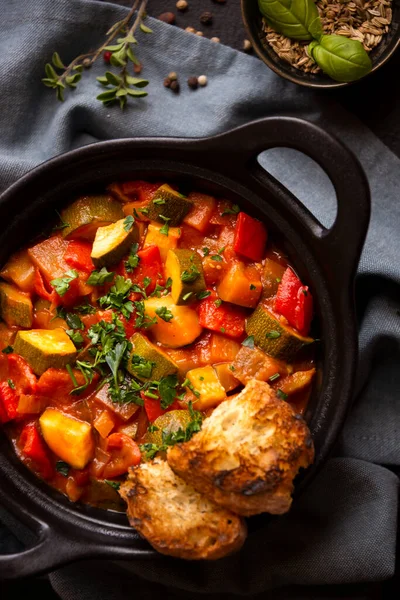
<point>247,453</point>
<point>175,519</point>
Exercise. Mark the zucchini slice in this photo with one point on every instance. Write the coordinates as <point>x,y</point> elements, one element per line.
<point>186,271</point>
<point>168,206</point>
<point>45,348</point>
<point>273,337</point>
<point>146,361</point>
<point>170,422</point>
<point>112,242</point>
<point>86,214</point>
<point>15,306</point>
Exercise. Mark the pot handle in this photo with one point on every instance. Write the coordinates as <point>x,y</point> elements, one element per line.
<point>340,246</point>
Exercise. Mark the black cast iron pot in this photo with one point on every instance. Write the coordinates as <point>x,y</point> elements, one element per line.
<point>225,165</point>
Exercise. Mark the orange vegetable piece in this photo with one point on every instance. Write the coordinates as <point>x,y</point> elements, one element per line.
<point>203,208</point>
<point>104,423</point>
<point>241,285</point>
<point>19,269</point>
<point>124,452</point>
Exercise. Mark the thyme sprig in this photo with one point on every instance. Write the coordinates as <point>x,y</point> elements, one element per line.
<point>120,86</point>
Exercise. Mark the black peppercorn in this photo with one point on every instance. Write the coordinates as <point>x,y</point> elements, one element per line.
<point>193,83</point>
<point>167,82</point>
<point>206,18</point>
<point>174,86</point>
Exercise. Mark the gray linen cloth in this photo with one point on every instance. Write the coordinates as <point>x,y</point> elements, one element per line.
<point>343,529</point>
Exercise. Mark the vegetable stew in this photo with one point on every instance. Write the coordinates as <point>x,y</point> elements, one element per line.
<point>140,313</point>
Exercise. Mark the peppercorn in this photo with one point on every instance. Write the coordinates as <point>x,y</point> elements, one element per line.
<point>190,29</point>
<point>107,56</point>
<point>174,86</point>
<point>193,83</point>
<point>137,68</point>
<point>167,17</point>
<point>182,5</point>
<point>247,47</point>
<point>87,63</point>
<point>200,33</point>
<point>167,82</point>
<point>173,76</point>
<point>202,80</point>
<point>206,18</point>
<point>215,39</point>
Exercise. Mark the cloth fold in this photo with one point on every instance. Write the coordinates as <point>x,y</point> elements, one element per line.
<point>343,528</point>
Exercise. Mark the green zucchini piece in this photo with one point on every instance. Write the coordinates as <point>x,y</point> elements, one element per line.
<point>45,348</point>
<point>146,361</point>
<point>86,214</point>
<point>168,206</point>
<point>185,268</point>
<point>113,242</point>
<point>15,306</point>
<point>273,337</point>
<point>170,422</point>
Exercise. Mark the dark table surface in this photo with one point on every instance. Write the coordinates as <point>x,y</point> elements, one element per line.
<point>375,101</point>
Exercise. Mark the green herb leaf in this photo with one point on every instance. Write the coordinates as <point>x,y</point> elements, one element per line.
<point>100,277</point>
<point>204,294</point>
<point>167,389</point>
<point>164,229</point>
<point>253,287</point>
<point>164,313</point>
<point>141,366</point>
<point>206,251</point>
<point>133,259</point>
<point>249,342</point>
<point>187,296</point>
<point>188,276</point>
<point>114,484</point>
<point>274,377</point>
<point>231,211</point>
<point>281,395</point>
<point>57,62</point>
<point>137,82</point>
<point>62,468</point>
<point>145,29</point>
<point>11,384</point>
<point>8,350</point>
<point>273,335</point>
<point>218,302</point>
<point>75,337</point>
<point>341,58</point>
<point>217,258</point>
<point>128,223</point>
<point>85,309</point>
<point>61,284</point>
<point>295,19</point>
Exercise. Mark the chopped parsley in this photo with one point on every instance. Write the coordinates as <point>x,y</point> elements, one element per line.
<point>62,284</point>
<point>206,251</point>
<point>141,366</point>
<point>274,376</point>
<point>187,296</point>
<point>128,223</point>
<point>217,257</point>
<point>218,302</point>
<point>117,298</point>
<point>188,276</point>
<point>165,228</point>
<point>133,259</point>
<point>100,277</point>
<point>253,287</point>
<point>164,313</point>
<point>143,321</point>
<point>62,468</point>
<point>167,389</point>
<point>159,201</point>
<point>249,342</point>
<point>280,394</point>
<point>11,384</point>
<point>75,336</point>
<point>114,484</point>
<point>273,335</point>
<point>204,294</point>
<point>231,211</point>
<point>8,350</point>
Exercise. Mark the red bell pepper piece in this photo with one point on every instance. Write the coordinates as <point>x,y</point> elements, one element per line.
<point>142,190</point>
<point>21,374</point>
<point>225,318</point>
<point>100,315</point>
<point>34,448</point>
<point>78,254</point>
<point>8,403</point>
<point>40,289</point>
<point>150,265</point>
<point>250,237</point>
<point>294,301</point>
<point>124,452</point>
<point>56,383</point>
<point>153,408</point>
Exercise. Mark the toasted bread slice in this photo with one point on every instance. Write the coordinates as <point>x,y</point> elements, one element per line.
<point>175,519</point>
<point>247,453</point>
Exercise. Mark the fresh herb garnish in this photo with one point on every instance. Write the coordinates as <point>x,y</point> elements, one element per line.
<point>175,437</point>
<point>8,350</point>
<point>273,335</point>
<point>119,54</point>
<point>63,224</point>
<point>188,276</point>
<point>141,366</point>
<point>280,394</point>
<point>274,376</point>
<point>167,389</point>
<point>218,302</point>
<point>159,201</point>
<point>231,211</point>
<point>217,257</point>
<point>206,251</point>
<point>133,259</point>
<point>152,428</point>
<point>187,296</point>
<point>222,329</point>
<point>114,484</point>
<point>164,313</point>
<point>62,468</point>
<point>11,384</point>
<point>100,277</point>
<point>249,342</point>
<point>128,223</point>
<point>75,337</point>
<point>62,284</point>
<point>85,309</point>
<point>165,228</point>
<point>143,321</point>
<point>204,294</point>
<point>117,298</point>
<point>253,287</point>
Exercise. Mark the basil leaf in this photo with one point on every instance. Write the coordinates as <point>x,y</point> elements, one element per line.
<point>296,19</point>
<point>341,58</point>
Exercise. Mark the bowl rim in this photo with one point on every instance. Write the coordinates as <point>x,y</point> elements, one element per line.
<point>298,79</point>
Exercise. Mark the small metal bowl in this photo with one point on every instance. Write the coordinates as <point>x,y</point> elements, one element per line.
<point>253,22</point>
